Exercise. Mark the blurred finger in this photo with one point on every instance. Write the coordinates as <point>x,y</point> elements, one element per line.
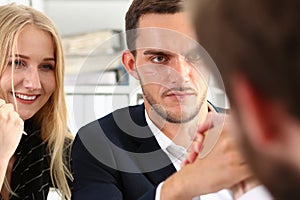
<point>198,143</point>
<point>2,102</point>
<point>8,107</point>
<point>205,125</point>
<point>190,158</point>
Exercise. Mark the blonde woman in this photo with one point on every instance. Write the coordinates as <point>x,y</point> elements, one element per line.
<point>34,138</point>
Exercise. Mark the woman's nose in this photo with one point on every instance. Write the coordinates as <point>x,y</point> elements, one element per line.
<point>32,79</point>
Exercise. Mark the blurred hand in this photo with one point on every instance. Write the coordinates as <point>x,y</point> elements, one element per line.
<point>215,124</point>
<point>223,167</point>
<point>244,186</point>
<point>11,127</point>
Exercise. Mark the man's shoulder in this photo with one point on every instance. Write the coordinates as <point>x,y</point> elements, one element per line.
<point>119,128</point>
<point>124,113</point>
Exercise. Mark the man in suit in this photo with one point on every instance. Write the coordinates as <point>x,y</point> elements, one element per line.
<point>257,52</point>
<point>134,152</point>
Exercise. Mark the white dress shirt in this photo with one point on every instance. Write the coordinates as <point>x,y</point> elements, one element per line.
<point>259,192</point>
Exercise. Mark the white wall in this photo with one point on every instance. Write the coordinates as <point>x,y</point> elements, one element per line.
<point>78,16</point>
<point>85,108</point>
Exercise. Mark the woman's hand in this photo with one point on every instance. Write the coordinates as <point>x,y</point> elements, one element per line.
<point>11,127</point>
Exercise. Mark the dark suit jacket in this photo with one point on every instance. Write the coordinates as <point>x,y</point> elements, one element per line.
<point>117,157</point>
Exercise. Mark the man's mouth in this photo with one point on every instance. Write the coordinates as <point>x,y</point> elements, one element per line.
<point>177,93</point>
<point>180,92</point>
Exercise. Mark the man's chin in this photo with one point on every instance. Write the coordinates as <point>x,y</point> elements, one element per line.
<point>182,118</point>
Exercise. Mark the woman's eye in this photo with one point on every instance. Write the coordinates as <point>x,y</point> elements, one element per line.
<point>159,59</point>
<point>47,67</point>
<point>17,63</point>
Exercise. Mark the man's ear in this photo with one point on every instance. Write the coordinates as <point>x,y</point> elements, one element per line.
<point>128,61</point>
<point>257,113</point>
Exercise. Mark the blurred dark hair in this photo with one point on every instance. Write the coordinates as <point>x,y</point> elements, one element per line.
<point>260,39</point>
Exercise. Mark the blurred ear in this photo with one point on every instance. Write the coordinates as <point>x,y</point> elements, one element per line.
<point>257,114</point>
<point>128,61</point>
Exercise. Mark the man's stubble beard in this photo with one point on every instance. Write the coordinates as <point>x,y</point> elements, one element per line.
<point>170,116</point>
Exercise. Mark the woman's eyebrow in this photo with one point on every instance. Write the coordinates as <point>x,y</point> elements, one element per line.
<point>26,57</point>
<point>20,56</point>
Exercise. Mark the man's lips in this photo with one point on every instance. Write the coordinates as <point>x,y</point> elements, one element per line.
<point>180,93</point>
<point>176,93</point>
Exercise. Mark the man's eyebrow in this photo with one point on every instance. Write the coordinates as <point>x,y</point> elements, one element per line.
<point>193,50</point>
<point>156,52</point>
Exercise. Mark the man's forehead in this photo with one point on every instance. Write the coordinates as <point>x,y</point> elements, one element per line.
<point>164,39</point>
<point>179,22</point>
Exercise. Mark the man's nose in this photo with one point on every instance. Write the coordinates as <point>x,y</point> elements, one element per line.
<point>180,72</point>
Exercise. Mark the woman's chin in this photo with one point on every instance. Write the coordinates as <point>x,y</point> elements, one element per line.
<point>25,116</point>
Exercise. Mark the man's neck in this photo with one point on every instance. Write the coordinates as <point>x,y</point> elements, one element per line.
<point>180,133</point>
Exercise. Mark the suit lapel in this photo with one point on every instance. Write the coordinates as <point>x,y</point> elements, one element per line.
<point>157,165</point>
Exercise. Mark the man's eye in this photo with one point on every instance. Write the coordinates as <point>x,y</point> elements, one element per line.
<point>193,57</point>
<point>159,59</point>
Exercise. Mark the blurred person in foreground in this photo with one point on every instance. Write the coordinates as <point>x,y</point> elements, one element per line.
<point>256,46</point>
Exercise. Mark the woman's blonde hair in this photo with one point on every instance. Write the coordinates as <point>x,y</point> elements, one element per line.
<point>52,117</point>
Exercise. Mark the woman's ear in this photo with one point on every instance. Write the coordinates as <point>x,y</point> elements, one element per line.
<point>128,61</point>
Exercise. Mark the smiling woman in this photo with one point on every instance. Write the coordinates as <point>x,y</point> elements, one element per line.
<point>33,72</point>
<point>32,100</point>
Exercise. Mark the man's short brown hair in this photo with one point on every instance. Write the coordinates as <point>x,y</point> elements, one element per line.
<point>142,7</point>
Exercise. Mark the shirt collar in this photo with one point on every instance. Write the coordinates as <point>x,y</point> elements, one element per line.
<point>161,138</point>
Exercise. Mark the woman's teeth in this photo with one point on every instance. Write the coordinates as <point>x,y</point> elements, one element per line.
<point>25,97</point>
